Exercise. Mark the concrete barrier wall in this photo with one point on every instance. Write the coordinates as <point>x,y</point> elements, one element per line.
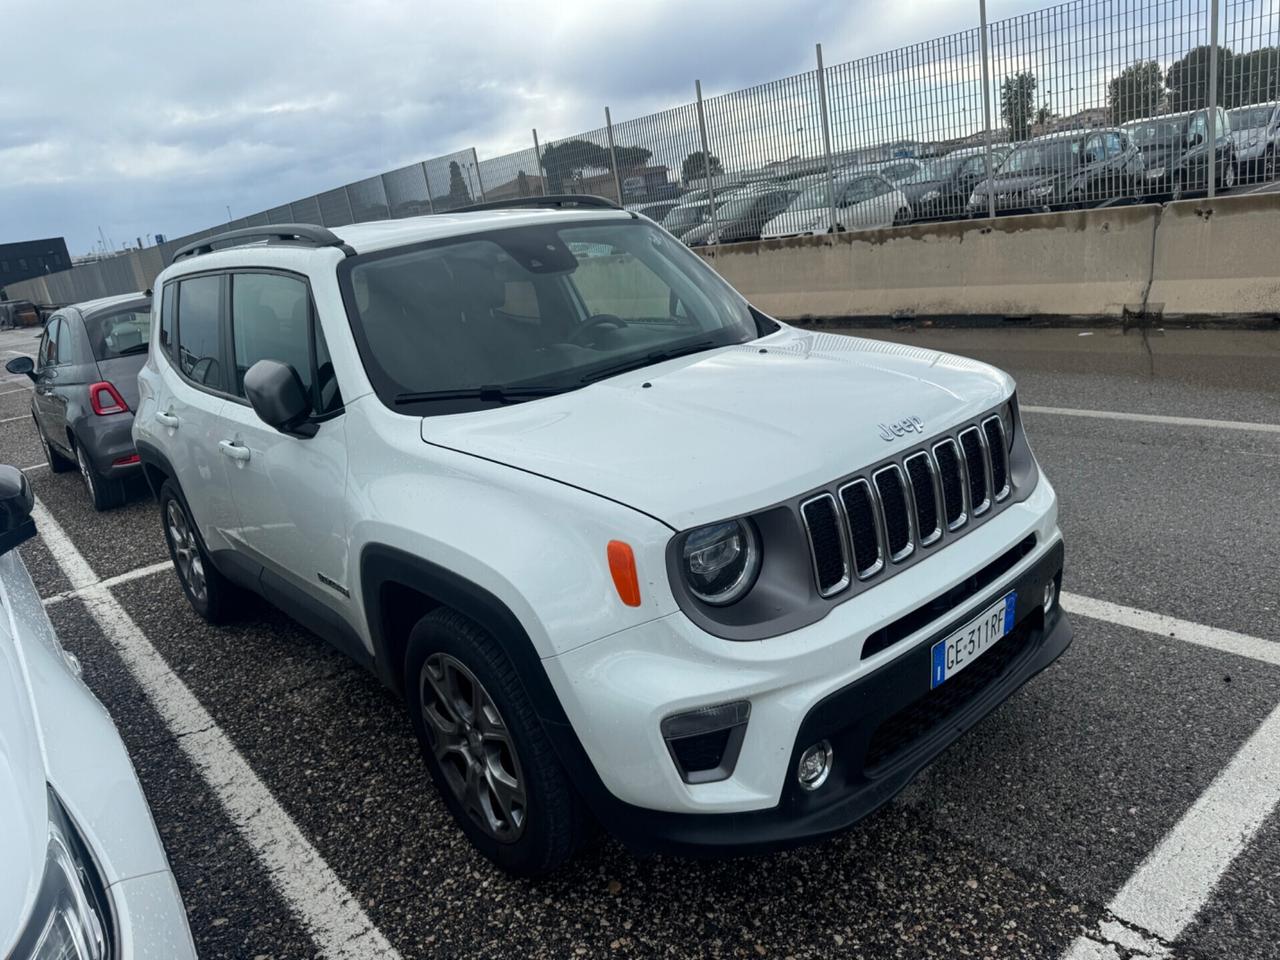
<point>1198,259</point>
<point>1201,260</point>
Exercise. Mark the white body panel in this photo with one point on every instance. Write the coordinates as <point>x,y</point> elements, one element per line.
<point>54,730</point>
<point>521,501</point>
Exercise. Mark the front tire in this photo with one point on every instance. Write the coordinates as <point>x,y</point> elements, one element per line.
<point>486,750</point>
<point>1228,179</point>
<point>210,594</point>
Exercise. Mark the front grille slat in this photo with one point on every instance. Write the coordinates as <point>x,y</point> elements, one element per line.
<point>977,469</point>
<point>865,537</point>
<point>827,546</point>
<point>924,494</point>
<point>951,473</point>
<point>997,448</point>
<point>924,497</point>
<point>895,509</point>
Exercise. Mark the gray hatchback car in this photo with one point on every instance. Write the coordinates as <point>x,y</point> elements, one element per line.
<point>86,389</point>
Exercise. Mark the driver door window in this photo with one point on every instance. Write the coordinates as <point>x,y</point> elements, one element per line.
<point>1199,130</point>
<point>1093,150</point>
<point>47,356</point>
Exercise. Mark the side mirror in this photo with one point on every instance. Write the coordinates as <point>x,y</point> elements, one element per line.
<point>277,396</point>
<point>16,501</point>
<point>22,365</point>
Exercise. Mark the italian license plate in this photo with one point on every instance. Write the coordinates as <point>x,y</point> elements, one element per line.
<point>971,641</point>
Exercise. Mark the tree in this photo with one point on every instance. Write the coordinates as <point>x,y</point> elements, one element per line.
<point>1188,79</point>
<point>522,183</point>
<point>695,166</point>
<point>568,160</point>
<point>1136,92</point>
<point>457,184</point>
<point>629,158</point>
<point>1018,103</point>
<point>1254,77</point>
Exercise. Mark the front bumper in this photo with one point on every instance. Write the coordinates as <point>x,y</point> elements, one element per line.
<point>810,685</point>
<point>150,919</point>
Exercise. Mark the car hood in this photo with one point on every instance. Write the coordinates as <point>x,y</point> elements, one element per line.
<point>916,189</point>
<point>1160,154</point>
<point>1020,182</point>
<point>791,222</point>
<point>24,815</point>
<point>731,430</point>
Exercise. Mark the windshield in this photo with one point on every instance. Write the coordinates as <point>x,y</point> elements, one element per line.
<point>120,333</point>
<point>1158,132</point>
<point>532,310</point>
<point>1247,117</point>
<point>899,170</point>
<point>816,196</point>
<point>939,168</point>
<point>1052,156</point>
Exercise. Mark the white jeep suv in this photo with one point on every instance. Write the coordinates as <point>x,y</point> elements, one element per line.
<point>631,550</point>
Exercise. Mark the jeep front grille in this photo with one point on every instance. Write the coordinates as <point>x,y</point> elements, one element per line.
<point>920,500</point>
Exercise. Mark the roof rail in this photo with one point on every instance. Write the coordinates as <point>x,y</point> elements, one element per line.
<point>306,234</point>
<point>556,200</point>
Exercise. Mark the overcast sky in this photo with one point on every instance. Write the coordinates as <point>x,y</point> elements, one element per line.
<point>154,118</point>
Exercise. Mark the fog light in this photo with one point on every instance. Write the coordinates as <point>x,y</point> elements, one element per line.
<point>1050,595</point>
<point>815,765</point>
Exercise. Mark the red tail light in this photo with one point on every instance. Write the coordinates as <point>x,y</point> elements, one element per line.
<point>105,399</point>
<point>125,461</point>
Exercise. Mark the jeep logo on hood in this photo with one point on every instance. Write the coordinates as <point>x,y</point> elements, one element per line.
<point>890,431</point>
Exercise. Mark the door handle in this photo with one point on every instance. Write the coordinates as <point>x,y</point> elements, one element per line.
<point>234,450</point>
<point>167,420</point>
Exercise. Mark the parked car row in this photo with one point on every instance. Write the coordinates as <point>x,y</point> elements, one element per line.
<point>1148,160</point>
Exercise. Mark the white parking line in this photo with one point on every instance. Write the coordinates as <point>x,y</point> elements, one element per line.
<point>1228,641</point>
<point>25,416</point>
<point>1176,880</point>
<point>7,393</point>
<point>1154,418</point>
<point>333,917</point>
<point>35,466</point>
<point>110,582</point>
<point>1167,890</point>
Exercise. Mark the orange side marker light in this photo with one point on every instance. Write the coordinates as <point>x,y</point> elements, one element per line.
<point>622,565</point>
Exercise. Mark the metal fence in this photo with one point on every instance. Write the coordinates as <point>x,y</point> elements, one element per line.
<point>1084,103</point>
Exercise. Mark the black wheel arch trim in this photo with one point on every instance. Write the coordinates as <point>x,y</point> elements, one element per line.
<point>381,564</point>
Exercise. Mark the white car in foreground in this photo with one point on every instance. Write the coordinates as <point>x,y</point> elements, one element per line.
<point>627,546</point>
<point>864,201</point>
<point>82,873</point>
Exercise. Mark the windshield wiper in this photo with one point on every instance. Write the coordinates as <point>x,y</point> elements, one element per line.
<point>653,356</point>
<point>489,393</point>
<point>136,348</point>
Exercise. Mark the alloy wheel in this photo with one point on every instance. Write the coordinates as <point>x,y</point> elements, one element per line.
<point>186,551</point>
<point>473,746</point>
<point>1229,177</point>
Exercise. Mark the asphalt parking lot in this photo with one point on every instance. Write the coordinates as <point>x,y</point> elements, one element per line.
<point>1123,804</point>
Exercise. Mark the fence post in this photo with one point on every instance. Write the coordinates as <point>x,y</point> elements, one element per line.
<point>826,139</point>
<point>475,162</point>
<point>706,162</point>
<point>613,155</point>
<point>537,153</point>
<point>426,178</point>
<point>986,107</point>
<point>1212,145</point>
<point>351,211</point>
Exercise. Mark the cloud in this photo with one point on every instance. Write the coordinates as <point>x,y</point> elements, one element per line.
<point>155,118</point>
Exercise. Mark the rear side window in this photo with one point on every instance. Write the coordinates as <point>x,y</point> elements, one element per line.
<point>122,333</point>
<point>200,354</point>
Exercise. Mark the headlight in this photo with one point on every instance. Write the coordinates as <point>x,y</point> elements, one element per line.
<point>1008,421</point>
<point>930,195</point>
<point>1155,173</point>
<point>974,199</point>
<point>713,237</point>
<point>721,561</point>
<point>1041,191</point>
<point>70,920</point>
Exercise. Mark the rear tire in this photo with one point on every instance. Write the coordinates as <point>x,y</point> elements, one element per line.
<point>105,493</point>
<point>210,594</point>
<point>1229,177</point>
<point>486,749</point>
